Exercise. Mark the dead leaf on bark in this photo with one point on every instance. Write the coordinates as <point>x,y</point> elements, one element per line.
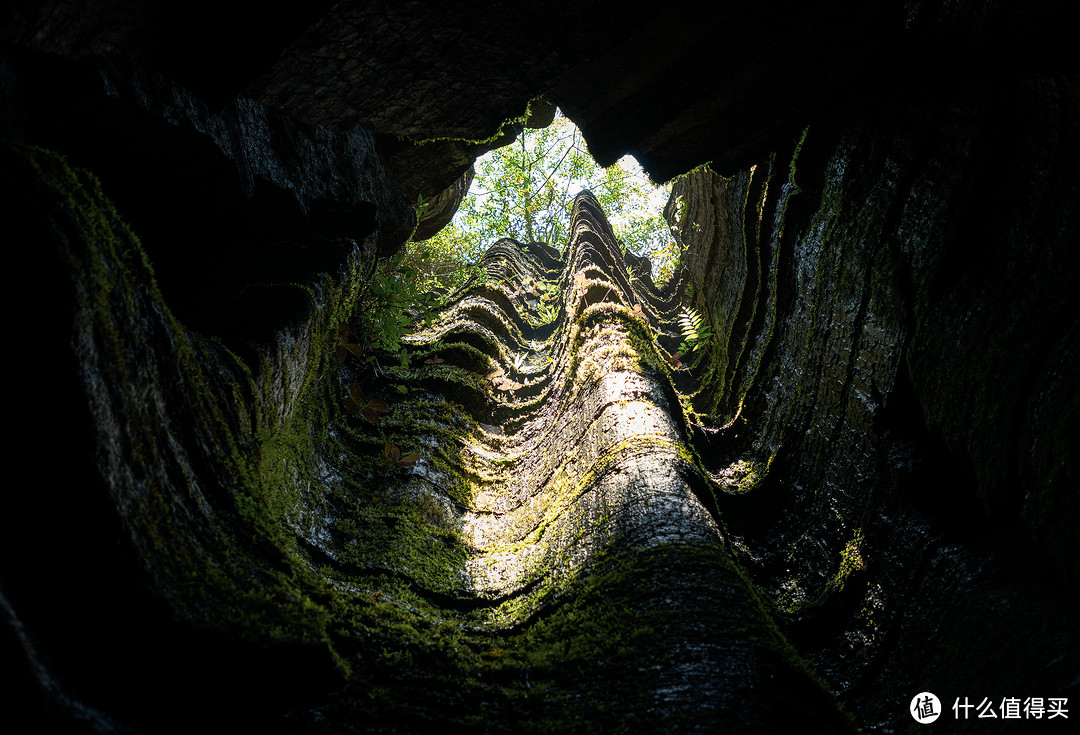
<point>504,383</point>
<point>579,285</point>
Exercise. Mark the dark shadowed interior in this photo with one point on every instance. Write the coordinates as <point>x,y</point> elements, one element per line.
<point>541,512</point>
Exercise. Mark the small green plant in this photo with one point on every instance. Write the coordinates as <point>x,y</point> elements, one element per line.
<point>550,291</point>
<point>394,300</point>
<point>695,332</point>
<point>547,313</point>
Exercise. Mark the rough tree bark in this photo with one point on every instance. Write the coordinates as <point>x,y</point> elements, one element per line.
<point>546,560</point>
<point>534,518</point>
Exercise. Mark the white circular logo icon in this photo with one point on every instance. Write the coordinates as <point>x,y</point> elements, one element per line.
<point>925,707</point>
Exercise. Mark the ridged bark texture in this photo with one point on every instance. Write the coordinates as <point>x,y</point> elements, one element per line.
<point>892,310</point>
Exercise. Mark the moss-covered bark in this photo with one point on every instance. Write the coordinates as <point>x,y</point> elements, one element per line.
<point>562,569</point>
<point>863,487</point>
<point>871,374</point>
<point>552,523</point>
<point>548,560</point>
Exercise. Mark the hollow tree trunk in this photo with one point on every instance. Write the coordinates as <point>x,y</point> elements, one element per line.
<point>861,488</point>
<point>563,543</point>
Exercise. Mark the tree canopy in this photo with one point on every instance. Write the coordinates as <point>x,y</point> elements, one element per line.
<point>525,191</point>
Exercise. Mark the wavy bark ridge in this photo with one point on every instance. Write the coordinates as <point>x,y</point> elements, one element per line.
<point>565,540</point>
<point>843,334</point>
<point>505,577</point>
<point>579,540</point>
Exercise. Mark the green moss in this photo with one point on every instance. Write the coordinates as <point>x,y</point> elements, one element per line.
<point>280,521</point>
<point>517,120</point>
<point>851,561</point>
<point>214,464</point>
<point>744,475</point>
<point>795,157</point>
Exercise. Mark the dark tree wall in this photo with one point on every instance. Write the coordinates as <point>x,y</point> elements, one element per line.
<point>847,349</point>
<point>873,463</point>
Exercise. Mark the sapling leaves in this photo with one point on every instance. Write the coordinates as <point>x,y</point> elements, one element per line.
<point>393,302</point>
<point>548,314</point>
<point>369,409</point>
<point>695,332</point>
<point>392,456</point>
<point>344,346</point>
<point>579,286</point>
